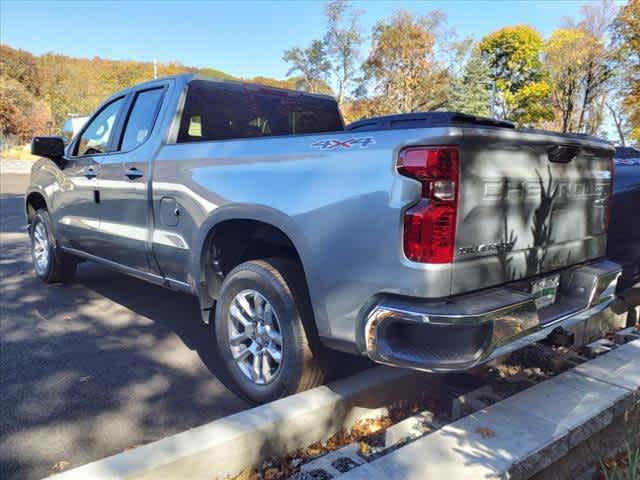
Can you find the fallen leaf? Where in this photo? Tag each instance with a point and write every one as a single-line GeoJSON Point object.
{"type": "Point", "coordinates": [271, 474]}
{"type": "Point", "coordinates": [364, 448]}
{"type": "Point", "coordinates": [243, 475]}
{"type": "Point", "coordinates": [485, 432]}
{"type": "Point", "coordinates": [61, 466]}
{"type": "Point", "coordinates": [314, 449]}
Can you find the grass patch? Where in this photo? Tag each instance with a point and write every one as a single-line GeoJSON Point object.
{"type": "Point", "coordinates": [624, 466]}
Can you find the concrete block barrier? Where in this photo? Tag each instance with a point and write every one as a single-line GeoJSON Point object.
{"type": "Point", "coordinates": [527, 433]}
{"type": "Point", "coordinates": [227, 446]}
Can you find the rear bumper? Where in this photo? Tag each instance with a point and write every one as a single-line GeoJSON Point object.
{"type": "Point", "coordinates": [471, 329]}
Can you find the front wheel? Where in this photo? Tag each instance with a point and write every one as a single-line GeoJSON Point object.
{"type": "Point", "coordinates": [50, 266]}
{"type": "Point", "coordinates": [260, 331]}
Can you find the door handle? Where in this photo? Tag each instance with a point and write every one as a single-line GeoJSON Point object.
{"type": "Point", "coordinates": [90, 173]}
{"type": "Point", "coordinates": [133, 173]}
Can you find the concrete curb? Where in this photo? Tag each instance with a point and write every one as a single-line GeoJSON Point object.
{"type": "Point", "coordinates": [515, 438]}
{"type": "Point", "coordinates": [227, 446]}
{"type": "Point", "coordinates": [525, 433]}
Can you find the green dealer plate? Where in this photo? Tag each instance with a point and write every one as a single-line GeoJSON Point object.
{"type": "Point", "coordinates": [545, 291]}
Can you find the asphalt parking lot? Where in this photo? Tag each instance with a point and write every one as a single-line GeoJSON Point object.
{"type": "Point", "coordinates": [107, 363]}
{"type": "Point", "coordinates": [91, 369]}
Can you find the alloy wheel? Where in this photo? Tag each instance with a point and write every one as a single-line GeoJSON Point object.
{"type": "Point", "coordinates": [255, 337]}
{"type": "Point", "coordinates": [40, 248]}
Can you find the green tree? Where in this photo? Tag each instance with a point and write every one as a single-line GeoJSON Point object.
{"type": "Point", "coordinates": [514, 56]}
{"type": "Point", "coordinates": [343, 40]}
{"type": "Point", "coordinates": [471, 92]}
{"type": "Point", "coordinates": [312, 64]}
{"type": "Point", "coordinates": [402, 64]}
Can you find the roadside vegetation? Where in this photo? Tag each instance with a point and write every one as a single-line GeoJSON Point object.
{"type": "Point", "coordinates": [18, 152]}
{"type": "Point", "coordinates": [584, 77]}
{"type": "Point", "coordinates": [623, 466]}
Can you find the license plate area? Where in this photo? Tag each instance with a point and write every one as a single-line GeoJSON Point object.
{"type": "Point", "coordinates": [545, 291]}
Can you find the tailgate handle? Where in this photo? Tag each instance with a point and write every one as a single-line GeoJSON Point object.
{"type": "Point", "coordinates": [562, 153]}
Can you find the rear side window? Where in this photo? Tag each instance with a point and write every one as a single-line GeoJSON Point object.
{"type": "Point", "coordinates": [141, 119]}
{"type": "Point", "coordinates": [219, 111]}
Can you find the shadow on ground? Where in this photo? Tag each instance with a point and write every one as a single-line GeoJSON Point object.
{"type": "Point", "coordinates": [92, 368]}
{"type": "Point", "coordinates": [98, 366]}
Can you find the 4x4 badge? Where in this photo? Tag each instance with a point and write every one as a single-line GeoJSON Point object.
{"type": "Point", "coordinates": [333, 144]}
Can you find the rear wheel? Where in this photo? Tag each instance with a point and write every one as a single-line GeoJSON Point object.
{"type": "Point", "coordinates": [50, 265]}
{"type": "Point", "coordinates": [260, 331]}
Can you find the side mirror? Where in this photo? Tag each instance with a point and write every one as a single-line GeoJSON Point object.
{"type": "Point", "coordinates": [49, 147]}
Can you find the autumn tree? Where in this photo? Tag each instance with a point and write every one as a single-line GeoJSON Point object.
{"type": "Point", "coordinates": [272, 82]}
{"type": "Point", "coordinates": [595, 20]}
{"type": "Point", "coordinates": [212, 72]}
{"type": "Point", "coordinates": [627, 28]}
{"type": "Point", "coordinates": [69, 86]}
{"type": "Point", "coordinates": [343, 40]}
{"type": "Point", "coordinates": [22, 114]}
{"type": "Point", "coordinates": [568, 52]}
{"type": "Point", "coordinates": [471, 92]}
{"type": "Point", "coordinates": [358, 108]}
{"type": "Point", "coordinates": [620, 120]}
{"type": "Point", "coordinates": [21, 66]}
{"type": "Point", "coordinates": [53, 86]}
{"type": "Point", "coordinates": [54, 90]}
{"type": "Point", "coordinates": [514, 56]}
{"type": "Point", "coordinates": [312, 64]}
{"type": "Point", "coordinates": [402, 64]}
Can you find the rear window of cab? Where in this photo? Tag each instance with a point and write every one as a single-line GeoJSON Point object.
{"type": "Point", "coordinates": [224, 111]}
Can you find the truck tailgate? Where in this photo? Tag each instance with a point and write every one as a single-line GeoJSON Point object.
{"type": "Point", "coordinates": [530, 203]}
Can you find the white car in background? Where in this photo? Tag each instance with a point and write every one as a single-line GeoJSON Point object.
{"type": "Point", "coordinates": [72, 126]}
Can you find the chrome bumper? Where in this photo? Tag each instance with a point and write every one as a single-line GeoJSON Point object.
{"type": "Point", "coordinates": [471, 329]}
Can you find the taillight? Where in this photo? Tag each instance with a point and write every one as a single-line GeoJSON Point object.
{"type": "Point", "coordinates": [430, 225]}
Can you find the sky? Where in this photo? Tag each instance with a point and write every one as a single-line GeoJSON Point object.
{"type": "Point", "coordinates": [242, 38]}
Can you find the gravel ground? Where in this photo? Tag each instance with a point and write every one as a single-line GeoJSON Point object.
{"type": "Point", "coordinates": [90, 369]}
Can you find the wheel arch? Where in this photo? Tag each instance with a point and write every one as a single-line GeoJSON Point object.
{"type": "Point", "coordinates": [246, 232]}
{"type": "Point", "coordinates": [34, 200]}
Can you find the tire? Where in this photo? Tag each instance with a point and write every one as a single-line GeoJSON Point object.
{"type": "Point", "coordinates": [276, 282]}
{"type": "Point", "coordinates": [50, 264]}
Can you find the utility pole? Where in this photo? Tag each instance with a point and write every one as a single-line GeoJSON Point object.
{"type": "Point", "coordinates": [155, 69]}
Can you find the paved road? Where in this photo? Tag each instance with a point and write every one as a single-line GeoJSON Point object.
{"type": "Point", "coordinates": [89, 369]}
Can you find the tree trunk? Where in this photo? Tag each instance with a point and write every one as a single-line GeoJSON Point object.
{"type": "Point", "coordinates": [587, 97]}
{"type": "Point", "coordinates": [617, 119]}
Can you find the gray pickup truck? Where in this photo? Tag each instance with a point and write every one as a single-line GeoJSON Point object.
{"type": "Point", "coordinates": [431, 241]}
